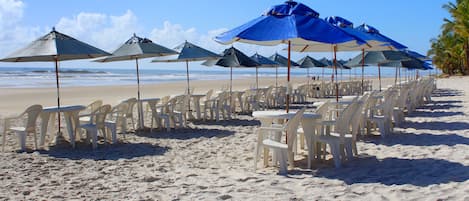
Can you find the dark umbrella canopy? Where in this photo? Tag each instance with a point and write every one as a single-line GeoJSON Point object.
{"type": "Point", "coordinates": [55, 47]}
{"type": "Point", "coordinates": [137, 48]}
{"type": "Point", "coordinates": [377, 57]}
{"type": "Point", "coordinates": [264, 62]}
{"type": "Point", "coordinates": [232, 57]}
{"type": "Point", "coordinates": [309, 62]}
{"type": "Point", "coordinates": [330, 64]}
{"type": "Point", "coordinates": [281, 60]}
{"type": "Point", "coordinates": [188, 52]}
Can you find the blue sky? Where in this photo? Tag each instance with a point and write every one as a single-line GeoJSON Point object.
{"type": "Point", "coordinates": [106, 24]}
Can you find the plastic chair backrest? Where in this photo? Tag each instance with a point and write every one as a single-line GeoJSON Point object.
{"type": "Point", "coordinates": [32, 113]}
{"type": "Point", "coordinates": [343, 121]}
{"type": "Point", "coordinates": [208, 95]}
{"type": "Point", "coordinates": [131, 104]}
{"type": "Point", "coordinates": [100, 115]}
{"type": "Point", "coordinates": [92, 107]}
{"type": "Point", "coordinates": [119, 111]}
{"type": "Point", "coordinates": [292, 126]}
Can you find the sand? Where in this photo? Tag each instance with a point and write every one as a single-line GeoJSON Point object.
{"type": "Point", "coordinates": [426, 159]}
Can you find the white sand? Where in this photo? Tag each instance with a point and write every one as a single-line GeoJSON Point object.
{"type": "Point", "coordinates": [428, 159]}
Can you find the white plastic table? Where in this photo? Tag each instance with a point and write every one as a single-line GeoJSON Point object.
{"type": "Point", "coordinates": [308, 122]}
{"type": "Point", "coordinates": [71, 119]}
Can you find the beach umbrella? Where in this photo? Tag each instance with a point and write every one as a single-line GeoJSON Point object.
{"type": "Point", "coordinates": [309, 62]}
{"type": "Point", "coordinates": [134, 49]}
{"type": "Point", "coordinates": [282, 61]}
{"type": "Point", "coordinates": [288, 23]}
{"type": "Point", "coordinates": [55, 47]}
{"type": "Point", "coordinates": [412, 63]}
{"type": "Point", "coordinates": [377, 58]}
{"type": "Point", "coordinates": [264, 62]}
{"type": "Point", "coordinates": [232, 57]}
{"type": "Point", "coordinates": [188, 52]}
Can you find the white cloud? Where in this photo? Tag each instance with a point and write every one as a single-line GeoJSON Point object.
{"type": "Point", "coordinates": [13, 34]}
{"type": "Point", "coordinates": [104, 31]}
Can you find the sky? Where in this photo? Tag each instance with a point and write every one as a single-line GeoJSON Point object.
{"type": "Point", "coordinates": [107, 24]}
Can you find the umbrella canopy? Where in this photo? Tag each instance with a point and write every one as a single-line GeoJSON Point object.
{"type": "Point", "coordinates": [134, 49]}
{"type": "Point", "coordinates": [188, 52]}
{"type": "Point", "coordinates": [330, 64]}
{"type": "Point", "coordinates": [375, 33]}
{"type": "Point", "coordinates": [232, 57]}
{"type": "Point", "coordinates": [309, 62]}
{"type": "Point", "coordinates": [378, 58]}
{"type": "Point", "coordinates": [291, 23]}
{"type": "Point", "coordinates": [55, 47]}
{"type": "Point", "coordinates": [137, 48]}
{"type": "Point", "coordinates": [372, 42]}
{"type": "Point", "coordinates": [264, 62]}
{"type": "Point", "coordinates": [281, 60]}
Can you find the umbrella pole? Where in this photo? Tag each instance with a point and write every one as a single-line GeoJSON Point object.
{"type": "Point", "coordinates": [257, 77]}
{"type": "Point", "coordinates": [335, 69]}
{"type": "Point", "coordinates": [139, 103]}
{"type": "Point", "coordinates": [276, 77]}
{"type": "Point", "coordinates": [363, 71]}
{"type": "Point", "coordinates": [58, 92]}
{"type": "Point", "coordinates": [323, 73]}
{"type": "Point", "coordinates": [288, 77]}
{"type": "Point", "coordinates": [188, 86]}
{"type": "Point", "coordinates": [379, 76]}
{"type": "Point", "coordinates": [307, 76]}
{"type": "Point", "coordinates": [231, 84]}
{"type": "Point", "coordinates": [395, 77]}
{"type": "Point", "coordinates": [400, 82]}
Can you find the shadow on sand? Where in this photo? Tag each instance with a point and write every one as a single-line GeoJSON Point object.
{"type": "Point", "coordinates": [396, 171]}
{"type": "Point", "coordinates": [105, 152]}
{"type": "Point", "coordinates": [447, 92]}
{"type": "Point", "coordinates": [425, 139]}
{"type": "Point", "coordinates": [186, 133]}
{"type": "Point", "coordinates": [232, 122]}
{"type": "Point", "coordinates": [437, 125]}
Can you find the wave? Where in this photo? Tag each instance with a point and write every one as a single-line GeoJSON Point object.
{"type": "Point", "coordinates": [70, 71]}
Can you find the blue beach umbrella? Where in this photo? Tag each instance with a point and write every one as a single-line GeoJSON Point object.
{"type": "Point", "coordinates": [290, 23]}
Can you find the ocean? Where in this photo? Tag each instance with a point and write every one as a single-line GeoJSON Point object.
{"type": "Point", "coordinates": [29, 77]}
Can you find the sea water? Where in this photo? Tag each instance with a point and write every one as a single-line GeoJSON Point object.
{"type": "Point", "coordinates": [30, 77]}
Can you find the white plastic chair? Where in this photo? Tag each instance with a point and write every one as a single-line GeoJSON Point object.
{"type": "Point", "coordinates": [130, 110]}
{"type": "Point", "coordinates": [283, 151]}
{"type": "Point", "coordinates": [115, 118]}
{"type": "Point", "coordinates": [85, 115]}
{"type": "Point", "coordinates": [338, 139]}
{"type": "Point", "coordinates": [96, 124]}
{"type": "Point", "coordinates": [29, 116]}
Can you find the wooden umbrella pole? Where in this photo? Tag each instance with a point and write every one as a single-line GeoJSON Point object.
{"type": "Point", "coordinates": [188, 86]}
{"type": "Point", "coordinates": [276, 77]}
{"type": "Point", "coordinates": [379, 76]}
{"type": "Point", "coordinates": [288, 77]}
{"type": "Point", "coordinates": [139, 103]}
{"type": "Point", "coordinates": [336, 82]}
{"type": "Point", "coordinates": [363, 71]}
{"type": "Point", "coordinates": [231, 84]}
{"type": "Point", "coordinates": [257, 77]}
{"type": "Point", "coordinates": [58, 92]}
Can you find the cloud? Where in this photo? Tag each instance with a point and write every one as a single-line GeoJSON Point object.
{"type": "Point", "coordinates": [104, 31]}
{"type": "Point", "coordinates": [13, 35]}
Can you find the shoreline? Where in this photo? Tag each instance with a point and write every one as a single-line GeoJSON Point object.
{"type": "Point", "coordinates": [15, 100]}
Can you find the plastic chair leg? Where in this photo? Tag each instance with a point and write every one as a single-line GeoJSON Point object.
{"type": "Point", "coordinates": [21, 140]}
